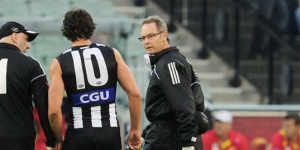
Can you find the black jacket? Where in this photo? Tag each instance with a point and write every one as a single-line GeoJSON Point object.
{"type": "Point", "coordinates": [169, 95]}
{"type": "Point", "coordinates": [22, 81]}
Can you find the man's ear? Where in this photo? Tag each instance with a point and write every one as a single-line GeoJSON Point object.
{"type": "Point", "coordinates": [165, 35]}
{"type": "Point", "coordinates": [13, 37]}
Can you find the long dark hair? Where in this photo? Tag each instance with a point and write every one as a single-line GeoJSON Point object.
{"type": "Point", "coordinates": [78, 24]}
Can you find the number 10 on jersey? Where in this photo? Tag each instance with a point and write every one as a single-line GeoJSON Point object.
{"type": "Point", "coordinates": [3, 72]}
{"type": "Point", "coordinates": [90, 73]}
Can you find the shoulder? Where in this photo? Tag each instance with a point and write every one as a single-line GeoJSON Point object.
{"type": "Point", "coordinates": [100, 45]}
{"type": "Point", "coordinates": [173, 62]}
{"type": "Point", "coordinates": [209, 134]}
{"type": "Point", "coordinates": [209, 137]}
{"type": "Point", "coordinates": [103, 47]}
{"type": "Point", "coordinates": [173, 56]}
{"type": "Point", "coordinates": [66, 51]}
{"type": "Point", "coordinates": [236, 134]}
{"type": "Point", "coordinates": [237, 137]}
{"type": "Point", "coordinates": [172, 59]}
{"type": "Point", "coordinates": [278, 136]}
{"type": "Point", "coordinates": [32, 61]}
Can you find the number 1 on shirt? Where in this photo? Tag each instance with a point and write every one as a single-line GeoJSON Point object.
{"type": "Point", "coordinates": [3, 71]}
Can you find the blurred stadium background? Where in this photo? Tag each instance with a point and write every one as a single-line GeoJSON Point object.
{"type": "Point", "coordinates": [214, 34]}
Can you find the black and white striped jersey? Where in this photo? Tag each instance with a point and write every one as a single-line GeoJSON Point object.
{"type": "Point", "coordinates": [22, 80]}
{"type": "Point", "coordinates": [90, 77]}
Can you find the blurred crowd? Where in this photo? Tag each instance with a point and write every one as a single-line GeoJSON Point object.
{"type": "Point", "coordinates": [223, 137]}
{"type": "Point", "coordinates": [283, 16]}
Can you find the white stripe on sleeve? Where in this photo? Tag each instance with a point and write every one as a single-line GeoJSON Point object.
{"type": "Point", "coordinates": [171, 73]}
{"type": "Point", "coordinates": [176, 73]}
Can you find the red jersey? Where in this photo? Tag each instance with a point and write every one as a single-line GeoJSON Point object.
{"type": "Point", "coordinates": [236, 141]}
{"type": "Point", "coordinates": [279, 142]}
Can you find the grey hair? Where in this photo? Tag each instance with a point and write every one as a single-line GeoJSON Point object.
{"type": "Point", "coordinates": [160, 23]}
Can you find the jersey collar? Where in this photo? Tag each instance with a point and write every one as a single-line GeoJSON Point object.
{"type": "Point", "coordinates": [9, 47]}
{"type": "Point", "coordinates": [155, 57]}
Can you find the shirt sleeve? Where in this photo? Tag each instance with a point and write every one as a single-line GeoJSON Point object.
{"type": "Point", "coordinates": [39, 88]}
{"type": "Point", "coordinates": [175, 79]}
{"type": "Point", "coordinates": [197, 92]}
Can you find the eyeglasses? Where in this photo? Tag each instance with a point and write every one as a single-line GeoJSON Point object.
{"type": "Point", "coordinates": [149, 36]}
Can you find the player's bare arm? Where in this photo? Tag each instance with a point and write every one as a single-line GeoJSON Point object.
{"type": "Point", "coordinates": [128, 83]}
{"type": "Point", "coordinates": [56, 93]}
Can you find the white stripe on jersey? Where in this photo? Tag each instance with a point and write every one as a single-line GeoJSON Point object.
{"type": "Point", "coordinates": [78, 70]}
{"type": "Point", "coordinates": [3, 75]}
{"type": "Point", "coordinates": [113, 115]}
{"type": "Point", "coordinates": [38, 63]}
{"type": "Point", "coordinates": [77, 117]}
{"type": "Point", "coordinates": [84, 47]}
{"type": "Point", "coordinates": [173, 73]}
{"type": "Point", "coordinates": [96, 116]}
{"type": "Point", "coordinates": [37, 77]}
{"type": "Point", "coordinates": [99, 44]}
{"type": "Point", "coordinates": [68, 50]}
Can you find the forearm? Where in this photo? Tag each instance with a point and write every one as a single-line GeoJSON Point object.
{"type": "Point", "coordinates": [184, 117]}
{"type": "Point", "coordinates": [181, 101]}
{"type": "Point", "coordinates": [40, 93]}
{"type": "Point", "coordinates": [46, 126]}
{"type": "Point", "coordinates": [135, 108]}
{"type": "Point", "coordinates": [56, 124]}
{"type": "Point", "coordinates": [55, 113]}
{"type": "Point", "coordinates": [198, 97]}
{"type": "Point", "coordinates": [56, 93]}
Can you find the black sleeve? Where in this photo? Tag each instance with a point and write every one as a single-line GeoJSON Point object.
{"type": "Point", "coordinates": [197, 92]}
{"type": "Point", "coordinates": [200, 117]}
{"type": "Point", "coordinates": [175, 79]}
{"type": "Point", "coordinates": [40, 96]}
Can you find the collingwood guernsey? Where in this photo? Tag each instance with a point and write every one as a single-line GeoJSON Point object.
{"type": "Point", "coordinates": [89, 75]}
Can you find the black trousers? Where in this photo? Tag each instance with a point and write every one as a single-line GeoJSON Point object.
{"type": "Point", "coordinates": [162, 137]}
{"type": "Point", "coordinates": [18, 144]}
{"type": "Point", "coordinates": [93, 139]}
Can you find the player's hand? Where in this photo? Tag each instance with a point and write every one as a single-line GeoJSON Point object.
{"type": "Point", "coordinates": [58, 146]}
{"type": "Point", "coordinates": [49, 148]}
{"type": "Point", "coordinates": [134, 139]}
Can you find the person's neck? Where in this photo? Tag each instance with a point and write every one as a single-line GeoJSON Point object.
{"type": "Point", "coordinates": [166, 46]}
{"type": "Point", "coordinates": [81, 42]}
{"type": "Point", "coordinates": [7, 41]}
{"type": "Point", "coordinates": [163, 48]}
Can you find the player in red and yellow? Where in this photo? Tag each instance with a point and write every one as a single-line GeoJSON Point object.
{"type": "Point", "coordinates": [222, 137]}
{"type": "Point", "coordinates": [288, 138]}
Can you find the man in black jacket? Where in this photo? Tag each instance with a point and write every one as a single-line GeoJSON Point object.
{"type": "Point", "coordinates": [22, 80]}
{"type": "Point", "coordinates": [170, 101]}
